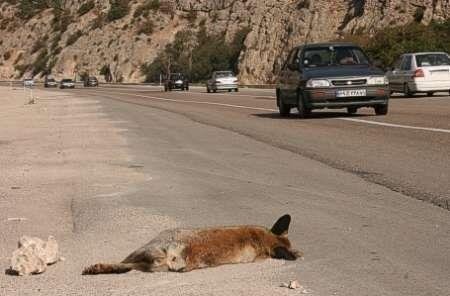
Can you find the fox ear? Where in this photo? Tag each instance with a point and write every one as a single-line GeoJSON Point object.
{"type": "Point", "coordinates": [281, 227]}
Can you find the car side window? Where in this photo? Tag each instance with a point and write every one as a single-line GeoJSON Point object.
{"type": "Point", "coordinates": [398, 63]}
{"type": "Point", "coordinates": [406, 64]}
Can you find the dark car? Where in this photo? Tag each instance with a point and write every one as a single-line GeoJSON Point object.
{"type": "Point", "coordinates": [331, 75]}
{"type": "Point", "coordinates": [90, 81]}
{"type": "Point", "coordinates": [50, 82]}
{"type": "Point", "coordinates": [67, 83]}
{"type": "Point", "coordinates": [176, 81]}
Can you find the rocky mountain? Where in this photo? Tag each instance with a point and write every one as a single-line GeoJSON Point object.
{"type": "Point", "coordinates": [73, 37]}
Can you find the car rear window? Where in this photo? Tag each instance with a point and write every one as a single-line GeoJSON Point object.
{"type": "Point", "coordinates": [224, 74]}
{"type": "Point", "coordinates": [432, 59]}
{"type": "Point", "coordinates": [327, 56]}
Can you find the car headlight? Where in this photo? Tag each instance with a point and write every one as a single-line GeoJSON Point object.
{"type": "Point", "coordinates": [378, 80]}
{"type": "Point", "coordinates": [314, 83]}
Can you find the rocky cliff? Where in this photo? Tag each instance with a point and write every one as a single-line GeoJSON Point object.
{"type": "Point", "coordinates": [70, 39]}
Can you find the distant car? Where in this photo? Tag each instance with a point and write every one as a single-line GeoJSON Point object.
{"type": "Point", "coordinates": [67, 83]}
{"type": "Point", "coordinates": [90, 81]}
{"type": "Point", "coordinates": [176, 81]}
{"type": "Point", "coordinates": [222, 80]}
{"type": "Point", "coordinates": [50, 82]}
{"type": "Point", "coordinates": [330, 75]}
{"type": "Point", "coordinates": [421, 72]}
{"type": "Point", "coordinates": [28, 82]}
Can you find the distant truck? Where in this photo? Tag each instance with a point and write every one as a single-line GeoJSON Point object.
{"type": "Point", "coordinates": [176, 81]}
{"type": "Point", "coordinates": [90, 81]}
{"type": "Point", "coordinates": [50, 82]}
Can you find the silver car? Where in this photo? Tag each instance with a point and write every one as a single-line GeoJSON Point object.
{"type": "Point", "coordinates": [222, 80]}
{"type": "Point", "coordinates": [421, 72]}
{"type": "Point", "coordinates": [28, 82]}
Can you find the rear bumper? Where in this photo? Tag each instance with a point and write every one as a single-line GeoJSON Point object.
{"type": "Point", "coordinates": [326, 98]}
{"type": "Point", "coordinates": [224, 86]}
{"type": "Point", "coordinates": [427, 86]}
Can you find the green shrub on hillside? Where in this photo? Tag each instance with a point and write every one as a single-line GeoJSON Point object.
{"type": "Point", "coordinates": [146, 7]}
{"type": "Point", "coordinates": [197, 54]}
{"type": "Point", "coordinates": [118, 9]}
{"type": "Point", "coordinates": [86, 7]}
{"type": "Point", "coordinates": [388, 44]}
{"type": "Point", "coordinates": [40, 64]}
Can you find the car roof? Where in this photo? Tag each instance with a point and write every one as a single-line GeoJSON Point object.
{"type": "Point", "coordinates": [328, 44]}
{"type": "Point", "coordinates": [428, 52]}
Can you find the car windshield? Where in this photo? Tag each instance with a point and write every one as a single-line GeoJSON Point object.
{"type": "Point", "coordinates": [50, 80]}
{"type": "Point", "coordinates": [331, 56]}
{"type": "Point", "coordinates": [224, 74]}
{"type": "Point", "coordinates": [176, 76]}
{"type": "Point", "coordinates": [432, 59]}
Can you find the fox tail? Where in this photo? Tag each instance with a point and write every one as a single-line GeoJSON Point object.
{"type": "Point", "coordinates": [105, 268]}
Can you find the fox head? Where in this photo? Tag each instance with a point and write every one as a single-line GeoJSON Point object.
{"type": "Point", "coordinates": [282, 248]}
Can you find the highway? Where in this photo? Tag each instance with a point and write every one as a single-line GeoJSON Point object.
{"type": "Point", "coordinates": [406, 151]}
{"type": "Point", "coordinates": [369, 195]}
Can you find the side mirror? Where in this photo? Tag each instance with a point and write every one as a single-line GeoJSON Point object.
{"type": "Point", "coordinates": [295, 66]}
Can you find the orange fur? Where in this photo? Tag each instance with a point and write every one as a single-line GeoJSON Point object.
{"type": "Point", "coordinates": [188, 249]}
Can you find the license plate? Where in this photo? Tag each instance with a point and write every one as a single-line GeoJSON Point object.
{"type": "Point", "coordinates": [351, 93]}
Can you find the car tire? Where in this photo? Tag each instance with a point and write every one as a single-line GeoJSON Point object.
{"type": "Point", "coordinates": [303, 111]}
{"type": "Point", "coordinates": [230, 90]}
{"type": "Point", "coordinates": [381, 109]}
{"type": "Point", "coordinates": [214, 90]}
{"type": "Point", "coordinates": [408, 93]}
{"type": "Point", "coordinates": [430, 94]}
{"type": "Point", "coordinates": [208, 90]}
{"type": "Point", "coordinates": [352, 110]}
{"type": "Point", "coordinates": [236, 89]}
{"type": "Point", "coordinates": [283, 109]}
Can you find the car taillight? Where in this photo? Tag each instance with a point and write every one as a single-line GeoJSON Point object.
{"type": "Point", "coordinates": [418, 73]}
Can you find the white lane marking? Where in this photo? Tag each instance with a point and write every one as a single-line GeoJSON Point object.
{"type": "Point", "coordinates": [241, 95]}
{"type": "Point", "coordinates": [275, 110]}
{"type": "Point", "coordinates": [199, 102]}
{"type": "Point", "coordinates": [440, 130]}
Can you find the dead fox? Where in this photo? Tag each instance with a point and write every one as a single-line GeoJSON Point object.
{"type": "Point", "coordinates": [184, 250]}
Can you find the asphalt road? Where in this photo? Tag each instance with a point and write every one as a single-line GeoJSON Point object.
{"type": "Point", "coordinates": [406, 151]}
{"type": "Point", "coordinates": [353, 184]}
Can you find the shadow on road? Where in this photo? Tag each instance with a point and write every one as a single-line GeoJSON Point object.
{"type": "Point", "coordinates": [313, 115]}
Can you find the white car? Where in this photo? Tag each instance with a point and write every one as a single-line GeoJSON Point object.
{"type": "Point", "coordinates": [28, 82]}
{"type": "Point", "coordinates": [222, 80]}
{"type": "Point", "coordinates": [421, 72]}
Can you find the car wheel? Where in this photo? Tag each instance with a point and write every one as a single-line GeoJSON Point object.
{"type": "Point", "coordinates": [284, 109]}
{"type": "Point", "coordinates": [214, 90]}
{"type": "Point", "coordinates": [208, 90]}
{"type": "Point", "coordinates": [430, 94]}
{"type": "Point", "coordinates": [408, 93]}
{"type": "Point", "coordinates": [229, 90]}
{"type": "Point", "coordinates": [381, 109]}
{"type": "Point", "coordinates": [236, 89]}
{"type": "Point", "coordinates": [352, 110]}
{"type": "Point", "coordinates": [303, 111]}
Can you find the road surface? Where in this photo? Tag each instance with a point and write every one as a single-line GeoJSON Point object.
{"type": "Point", "coordinates": [368, 195]}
